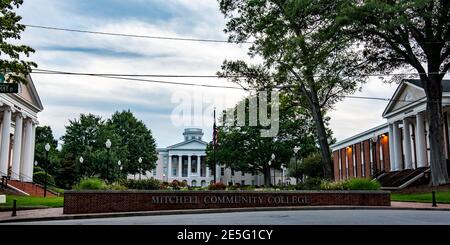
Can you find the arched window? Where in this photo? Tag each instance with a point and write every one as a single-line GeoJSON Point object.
{"type": "Point", "coordinates": [194, 183]}
{"type": "Point", "coordinates": [203, 183]}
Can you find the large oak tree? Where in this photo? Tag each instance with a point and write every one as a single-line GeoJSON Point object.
{"type": "Point", "coordinates": [302, 50]}
{"type": "Point", "coordinates": [408, 34]}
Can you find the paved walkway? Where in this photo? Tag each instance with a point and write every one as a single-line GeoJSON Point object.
{"type": "Point", "coordinates": [57, 213]}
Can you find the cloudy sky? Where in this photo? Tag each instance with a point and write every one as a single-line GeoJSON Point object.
{"type": "Point", "coordinates": [65, 97]}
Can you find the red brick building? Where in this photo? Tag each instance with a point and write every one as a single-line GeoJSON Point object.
{"type": "Point", "coordinates": [396, 152]}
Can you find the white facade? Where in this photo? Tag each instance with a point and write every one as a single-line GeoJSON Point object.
{"type": "Point", "coordinates": [18, 121]}
{"type": "Point", "coordinates": [185, 162]}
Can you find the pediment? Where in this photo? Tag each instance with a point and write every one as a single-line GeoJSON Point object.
{"type": "Point", "coordinates": [191, 144]}
{"type": "Point", "coordinates": [406, 94]}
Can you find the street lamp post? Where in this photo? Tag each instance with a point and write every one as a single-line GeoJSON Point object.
{"type": "Point", "coordinates": [108, 147]}
{"type": "Point", "coordinates": [296, 149]}
{"type": "Point", "coordinates": [81, 165]}
{"type": "Point", "coordinates": [119, 163]}
{"type": "Point", "coordinates": [140, 167]}
{"type": "Point", "coordinates": [47, 149]}
{"type": "Point", "coordinates": [272, 159]}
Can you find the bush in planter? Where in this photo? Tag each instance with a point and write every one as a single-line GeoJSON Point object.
{"type": "Point", "coordinates": [91, 184]}
{"type": "Point", "coordinates": [217, 186]}
{"type": "Point", "coordinates": [117, 187]}
{"type": "Point", "coordinates": [143, 184]}
{"type": "Point", "coordinates": [332, 185]}
{"type": "Point", "coordinates": [351, 184]}
{"type": "Point", "coordinates": [177, 185]}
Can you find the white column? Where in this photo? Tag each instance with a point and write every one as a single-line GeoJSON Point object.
{"type": "Point", "coordinates": [189, 166]}
{"type": "Point", "coordinates": [407, 144]}
{"type": "Point", "coordinates": [169, 167]}
{"type": "Point", "coordinates": [33, 146]}
{"type": "Point", "coordinates": [4, 148]}
{"type": "Point", "coordinates": [391, 147]}
{"type": "Point", "coordinates": [397, 148]}
{"type": "Point", "coordinates": [180, 166]}
{"type": "Point", "coordinates": [207, 172]}
{"type": "Point", "coordinates": [199, 160]}
{"type": "Point", "coordinates": [17, 148]}
{"type": "Point", "coordinates": [27, 161]}
{"type": "Point", "coordinates": [421, 144]}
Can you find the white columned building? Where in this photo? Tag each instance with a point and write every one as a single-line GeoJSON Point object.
{"type": "Point", "coordinates": [186, 162]}
{"type": "Point", "coordinates": [402, 143]}
{"type": "Point", "coordinates": [18, 121]}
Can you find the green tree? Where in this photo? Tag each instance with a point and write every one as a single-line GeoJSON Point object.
{"type": "Point", "coordinates": [12, 66]}
{"type": "Point", "coordinates": [242, 148]}
{"type": "Point", "coordinates": [408, 34]}
{"type": "Point", "coordinates": [86, 138]}
{"type": "Point", "coordinates": [303, 54]}
{"type": "Point", "coordinates": [137, 141]}
{"type": "Point", "coordinates": [44, 135]}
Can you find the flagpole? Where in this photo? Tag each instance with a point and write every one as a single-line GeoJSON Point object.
{"type": "Point", "coordinates": [214, 146]}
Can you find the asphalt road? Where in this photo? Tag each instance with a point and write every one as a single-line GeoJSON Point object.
{"type": "Point", "coordinates": [302, 217]}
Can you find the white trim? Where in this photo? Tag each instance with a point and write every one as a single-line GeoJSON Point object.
{"type": "Point", "coordinates": [361, 136]}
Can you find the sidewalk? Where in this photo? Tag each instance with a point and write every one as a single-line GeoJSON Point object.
{"type": "Point", "coordinates": [57, 213]}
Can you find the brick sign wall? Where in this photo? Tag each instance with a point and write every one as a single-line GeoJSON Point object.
{"type": "Point", "coordinates": [77, 202]}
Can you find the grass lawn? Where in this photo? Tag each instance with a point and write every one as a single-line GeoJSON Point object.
{"type": "Point", "coordinates": [27, 201]}
{"type": "Point", "coordinates": [441, 197]}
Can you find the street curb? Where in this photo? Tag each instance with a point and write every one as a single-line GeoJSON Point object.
{"type": "Point", "coordinates": [207, 211]}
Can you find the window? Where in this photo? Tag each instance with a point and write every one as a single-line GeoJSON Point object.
{"type": "Point", "coordinates": [203, 183]}
{"type": "Point", "coordinates": [165, 170]}
{"type": "Point", "coordinates": [154, 172]}
{"type": "Point", "coordinates": [243, 173]}
{"type": "Point", "coordinates": [232, 172]}
{"type": "Point", "coordinates": [194, 183]}
{"type": "Point", "coordinates": [222, 171]}
{"type": "Point", "coordinates": [242, 182]}
{"type": "Point", "coordinates": [253, 182]}
{"type": "Point", "coordinates": [174, 172]}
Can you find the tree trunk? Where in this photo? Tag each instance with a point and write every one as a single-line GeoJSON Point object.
{"type": "Point", "coordinates": [323, 139]}
{"type": "Point", "coordinates": [438, 161]}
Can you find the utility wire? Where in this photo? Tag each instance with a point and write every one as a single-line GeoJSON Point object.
{"type": "Point", "coordinates": [216, 86]}
{"type": "Point", "coordinates": [157, 37]}
{"type": "Point", "coordinates": [56, 72]}
{"type": "Point", "coordinates": [131, 35]}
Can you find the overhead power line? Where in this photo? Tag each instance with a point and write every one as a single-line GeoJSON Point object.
{"type": "Point", "coordinates": [131, 35]}
{"type": "Point", "coordinates": [56, 72]}
{"type": "Point", "coordinates": [111, 76]}
{"type": "Point", "coordinates": [157, 37]}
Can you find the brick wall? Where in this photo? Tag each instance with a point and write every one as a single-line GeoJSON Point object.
{"type": "Point", "coordinates": [77, 202]}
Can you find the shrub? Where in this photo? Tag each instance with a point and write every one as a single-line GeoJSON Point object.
{"type": "Point", "coordinates": [332, 185]}
{"type": "Point", "coordinates": [91, 184]}
{"type": "Point", "coordinates": [143, 184]}
{"type": "Point", "coordinates": [217, 186]}
{"type": "Point", "coordinates": [177, 185]}
{"type": "Point", "coordinates": [361, 184]}
{"type": "Point", "coordinates": [117, 187]}
{"type": "Point", "coordinates": [351, 184]}
{"type": "Point", "coordinates": [248, 187]}
{"type": "Point", "coordinates": [312, 166]}
{"type": "Point", "coordinates": [311, 184]}
{"type": "Point", "coordinates": [39, 177]}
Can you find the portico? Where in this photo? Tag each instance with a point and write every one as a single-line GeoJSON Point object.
{"type": "Point", "coordinates": [18, 121]}
{"type": "Point", "coordinates": [401, 144]}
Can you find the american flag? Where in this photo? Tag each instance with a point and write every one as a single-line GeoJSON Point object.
{"type": "Point", "coordinates": [214, 130]}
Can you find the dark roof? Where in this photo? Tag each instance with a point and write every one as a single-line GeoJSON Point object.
{"type": "Point", "coordinates": [417, 82]}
